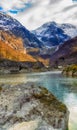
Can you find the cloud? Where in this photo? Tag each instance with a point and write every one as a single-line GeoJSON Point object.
{"type": "Point", "coordinates": [61, 11]}
{"type": "Point", "coordinates": [41, 11]}
{"type": "Point", "coordinates": [14, 6]}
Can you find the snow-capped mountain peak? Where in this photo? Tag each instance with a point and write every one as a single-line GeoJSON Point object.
{"type": "Point", "coordinates": [52, 34]}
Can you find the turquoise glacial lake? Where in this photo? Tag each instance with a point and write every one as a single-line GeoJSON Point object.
{"type": "Point", "coordinates": [64, 88]}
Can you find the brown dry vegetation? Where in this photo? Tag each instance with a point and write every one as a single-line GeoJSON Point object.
{"type": "Point", "coordinates": [12, 48]}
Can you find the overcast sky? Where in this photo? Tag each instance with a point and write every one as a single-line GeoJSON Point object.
{"type": "Point", "coordinates": [33, 13]}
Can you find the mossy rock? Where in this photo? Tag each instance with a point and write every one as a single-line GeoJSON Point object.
{"type": "Point", "coordinates": [49, 100]}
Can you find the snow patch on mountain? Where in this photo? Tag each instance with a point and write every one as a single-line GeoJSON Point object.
{"type": "Point", "coordinates": [69, 29]}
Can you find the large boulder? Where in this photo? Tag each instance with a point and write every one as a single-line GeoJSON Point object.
{"type": "Point", "coordinates": [20, 105]}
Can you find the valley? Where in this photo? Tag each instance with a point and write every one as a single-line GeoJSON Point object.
{"type": "Point", "coordinates": [31, 63]}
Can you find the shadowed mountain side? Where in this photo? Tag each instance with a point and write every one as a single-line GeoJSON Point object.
{"type": "Point", "coordinates": [66, 54]}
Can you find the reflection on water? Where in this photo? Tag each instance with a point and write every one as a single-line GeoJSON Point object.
{"type": "Point", "coordinates": [65, 89]}
{"type": "Point", "coordinates": [17, 78]}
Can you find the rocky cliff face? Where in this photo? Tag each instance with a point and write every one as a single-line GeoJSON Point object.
{"type": "Point", "coordinates": [35, 105]}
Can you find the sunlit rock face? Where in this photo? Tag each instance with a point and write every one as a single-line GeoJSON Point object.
{"type": "Point", "coordinates": [12, 48]}
{"type": "Point", "coordinates": [28, 106]}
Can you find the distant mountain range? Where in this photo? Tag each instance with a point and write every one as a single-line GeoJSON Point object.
{"type": "Point", "coordinates": [49, 41]}
{"type": "Point", "coordinates": [48, 35]}
{"type": "Point", "coordinates": [53, 34]}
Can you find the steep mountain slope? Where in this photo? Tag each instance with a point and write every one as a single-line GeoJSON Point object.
{"type": "Point", "coordinates": [16, 42]}
{"type": "Point", "coordinates": [14, 56]}
{"type": "Point", "coordinates": [9, 24]}
{"type": "Point", "coordinates": [66, 54]}
{"type": "Point", "coordinates": [53, 34]}
{"type": "Point", "coordinates": [12, 48]}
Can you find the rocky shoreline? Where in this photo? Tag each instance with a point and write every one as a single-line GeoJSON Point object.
{"type": "Point", "coordinates": [8, 66]}
{"type": "Point", "coordinates": [31, 107]}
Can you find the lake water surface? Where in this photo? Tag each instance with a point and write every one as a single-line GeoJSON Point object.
{"type": "Point", "coordinates": [64, 88]}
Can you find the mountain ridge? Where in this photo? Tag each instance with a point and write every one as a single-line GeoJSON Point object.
{"type": "Point", "coordinates": [7, 23]}
{"type": "Point", "coordinates": [13, 45]}
{"type": "Point", "coordinates": [53, 34]}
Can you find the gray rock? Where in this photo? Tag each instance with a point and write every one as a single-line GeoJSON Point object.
{"type": "Point", "coordinates": [26, 102]}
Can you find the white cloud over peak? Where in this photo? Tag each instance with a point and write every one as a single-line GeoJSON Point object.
{"type": "Point", "coordinates": [41, 11]}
